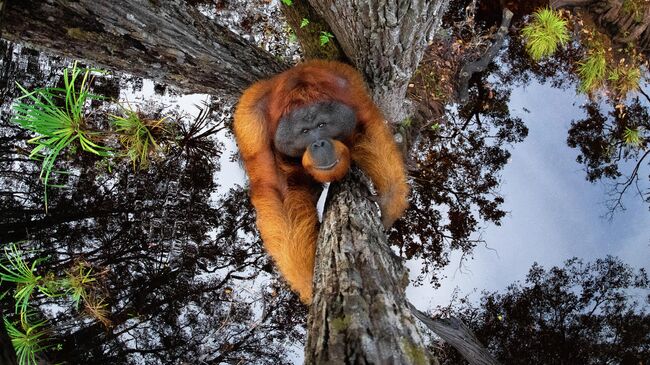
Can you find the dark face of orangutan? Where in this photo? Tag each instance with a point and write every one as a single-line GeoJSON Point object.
{"type": "Point", "coordinates": [316, 132]}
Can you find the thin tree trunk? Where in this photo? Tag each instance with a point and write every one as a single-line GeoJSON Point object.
{"type": "Point", "coordinates": [167, 40]}
{"type": "Point", "coordinates": [359, 314]}
{"type": "Point", "coordinates": [482, 63]}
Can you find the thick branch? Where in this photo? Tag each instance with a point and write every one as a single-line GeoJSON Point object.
{"type": "Point", "coordinates": [482, 63]}
{"type": "Point", "coordinates": [164, 40]}
{"type": "Point", "coordinates": [453, 331]}
{"type": "Point", "coordinates": [385, 41]}
{"type": "Point", "coordinates": [359, 314]}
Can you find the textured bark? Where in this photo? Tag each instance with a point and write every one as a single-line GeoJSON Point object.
{"type": "Point", "coordinates": [359, 314]}
{"type": "Point", "coordinates": [309, 36]}
{"type": "Point", "coordinates": [164, 40]}
{"type": "Point", "coordinates": [453, 331]}
{"type": "Point", "coordinates": [385, 40]}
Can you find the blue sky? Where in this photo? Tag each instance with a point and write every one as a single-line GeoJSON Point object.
{"type": "Point", "coordinates": [555, 213]}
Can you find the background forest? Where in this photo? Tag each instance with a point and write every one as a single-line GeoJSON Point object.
{"type": "Point", "coordinates": [128, 236]}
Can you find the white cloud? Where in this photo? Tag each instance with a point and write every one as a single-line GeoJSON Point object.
{"type": "Point", "coordinates": [555, 213]}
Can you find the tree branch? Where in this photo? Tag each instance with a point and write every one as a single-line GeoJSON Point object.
{"type": "Point", "coordinates": [481, 64]}
{"type": "Point", "coordinates": [453, 331]}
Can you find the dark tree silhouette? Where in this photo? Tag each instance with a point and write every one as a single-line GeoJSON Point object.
{"type": "Point", "coordinates": [607, 148]}
{"type": "Point", "coordinates": [582, 313]}
{"type": "Point", "coordinates": [172, 261]}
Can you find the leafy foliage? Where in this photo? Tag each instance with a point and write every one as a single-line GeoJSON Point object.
{"type": "Point", "coordinates": [188, 277]}
{"type": "Point", "coordinates": [28, 340]}
{"type": "Point", "coordinates": [56, 115]}
{"type": "Point", "coordinates": [325, 37]}
{"type": "Point", "coordinates": [576, 314]}
{"type": "Point", "coordinates": [608, 142]}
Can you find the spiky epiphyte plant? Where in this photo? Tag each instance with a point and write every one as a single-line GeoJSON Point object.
{"type": "Point", "coordinates": [137, 135]}
{"type": "Point", "coordinates": [97, 307]}
{"type": "Point", "coordinates": [14, 269]}
{"type": "Point", "coordinates": [78, 281]}
{"type": "Point", "coordinates": [632, 137]}
{"type": "Point", "coordinates": [544, 33]}
{"type": "Point", "coordinates": [56, 115]}
{"type": "Point", "coordinates": [592, 70]}
{"type": "Point", "coordinates": [28, 340]}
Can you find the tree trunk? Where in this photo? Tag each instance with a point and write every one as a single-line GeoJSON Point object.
{"type": "Point", "coordinates": [385, 40]}
{"type": "Point", "coordinates": [359, 314]}
{"type": "Point", "coordinates": [167, 41]}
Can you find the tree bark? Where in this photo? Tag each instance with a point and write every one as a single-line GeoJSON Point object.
{"type": "Point", "coordinates": [165, 40]}
{"type": "Point", "coordinates": [309, 35]}
{"type": "Point", "coordinates": [359, 314]}
{"type": "Point", "coordinates": [385, 40]}
{"type": "Point", "coordinates": [453, 331]}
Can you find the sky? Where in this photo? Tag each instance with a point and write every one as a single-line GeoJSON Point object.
{"type": "Point", "coordinates": [554, 213]}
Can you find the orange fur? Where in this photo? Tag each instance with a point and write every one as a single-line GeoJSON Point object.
{"type": "Point", "coordinates": [284, 194]}
{"type": "Point", "coordinates": [335, 173]}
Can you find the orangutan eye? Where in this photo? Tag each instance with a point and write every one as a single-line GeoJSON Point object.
{"type": "Point", "coordinates": [321, 125]}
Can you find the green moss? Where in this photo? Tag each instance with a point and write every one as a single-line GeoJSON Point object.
{"type": "Point", "coordinates": [78, 33]}
{"type": "Point", "coordinates": [416, 354]}
{"type": "Point", "coordinates": [340, 324]}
